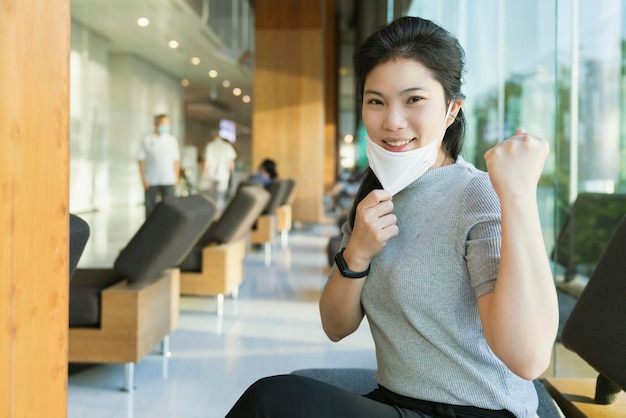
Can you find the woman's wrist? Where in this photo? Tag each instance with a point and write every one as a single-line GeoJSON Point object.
{"type": "Point", "coordinates": [354, 262]}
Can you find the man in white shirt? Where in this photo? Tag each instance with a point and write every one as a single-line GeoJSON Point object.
{"type": "Point", "coordinates": [219, 164]}
{"type": "Point", "coordinates": [159, 162]}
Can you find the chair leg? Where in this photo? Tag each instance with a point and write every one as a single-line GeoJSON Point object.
{"type": "Point", "coordinates": [129, 378]}
{"type": "Point", "coordinates": [268, 253]}
{"type": "Point", "coordinates": [283, 238]}
{"type": "Point", "coordinates": [220, 304]}
{"type": "Point", "coordinates": [166, 354]}
{"type": "Point", "coordinates": [235, 292]}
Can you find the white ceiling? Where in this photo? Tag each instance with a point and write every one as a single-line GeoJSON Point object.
{"type": "Point", "coordinates": [116, 20]}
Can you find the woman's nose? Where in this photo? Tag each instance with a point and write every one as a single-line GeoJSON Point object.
{"type": "Point", "coordinates": [394, 119]}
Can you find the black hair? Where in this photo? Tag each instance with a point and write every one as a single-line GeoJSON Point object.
{"type": "Point", "coordinates": [429, 44]}
{"type": "Point", "coordinates": [270, 167]}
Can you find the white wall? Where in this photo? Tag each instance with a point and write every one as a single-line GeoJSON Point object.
{"type": "Point", "coordinates": [89, 118]}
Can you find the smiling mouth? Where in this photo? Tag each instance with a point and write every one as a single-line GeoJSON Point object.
{"type": "Point", "coordinates": [397, 144]}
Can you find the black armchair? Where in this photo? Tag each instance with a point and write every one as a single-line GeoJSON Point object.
{"type": "Point", "coordinates": [596, 331]}
{"type": "Point", "coordinates": [119, 314]}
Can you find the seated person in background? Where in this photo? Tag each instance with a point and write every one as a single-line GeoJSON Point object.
{"type": "Point", "coordinates": [265, 173]}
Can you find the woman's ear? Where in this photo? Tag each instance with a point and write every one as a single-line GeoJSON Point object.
{"type": "Point", "coordinates": [454, 111]}
{"type": "Point", "coordinates": [456, 106]}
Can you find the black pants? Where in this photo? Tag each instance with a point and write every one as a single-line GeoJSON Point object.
{"type": "Point", "coordinates": [153, 192]}
{"type": "Point", "coordinates": [293, 396]}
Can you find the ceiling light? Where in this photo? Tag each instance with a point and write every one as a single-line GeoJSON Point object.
{"type": "Point", "coordinates": [246, 98]}
{"type": "Point", "coordinates": [173, 44]}
{"type": "Point", "coordinates": [143, 22]}
{"type": "Point", "coordinates": [348, 138]}
{"type": "Point", "coordinates": [226, 83]}
{"type": "Point", "coordinates": [237, 91]}
{"type": "Point", "coordinates": [195, 61]}
{"type": "Point", "coordinates": [184, 82]}
{"type": "Point", "coordinates": [212, 73]}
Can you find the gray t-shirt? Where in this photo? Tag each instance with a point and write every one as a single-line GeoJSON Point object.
{"type": "Point", "coordinates": [420, 296]}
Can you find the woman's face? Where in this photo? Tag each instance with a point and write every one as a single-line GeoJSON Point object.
{"type": "Point", "coordinates": [404, 106]}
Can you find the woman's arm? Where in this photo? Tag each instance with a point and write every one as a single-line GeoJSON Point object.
{"type": "Point", "coordinates": [520, 318]}
{"type": "Point", "coordinates": [340, 303]}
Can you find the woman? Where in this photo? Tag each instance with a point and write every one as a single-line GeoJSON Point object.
{"type": "Point", "coordinates": [446, 262]}
{"type": "Point", "coordinates": [265, 173]}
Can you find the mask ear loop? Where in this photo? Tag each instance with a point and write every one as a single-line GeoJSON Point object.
{"type": "Point", "coordinates": [448, 114]}
{"type": "Point", "coordinates": [445, 120]}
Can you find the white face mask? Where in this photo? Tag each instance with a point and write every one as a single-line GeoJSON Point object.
{"type": "Point", "coordinates": [396, 170]}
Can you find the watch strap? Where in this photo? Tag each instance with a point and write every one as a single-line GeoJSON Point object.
{"type": "Point", "coordinates": [345, 271]}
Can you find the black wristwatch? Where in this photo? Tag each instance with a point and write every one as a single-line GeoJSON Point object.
{"type": "Point", "coordinates": [345, 271]}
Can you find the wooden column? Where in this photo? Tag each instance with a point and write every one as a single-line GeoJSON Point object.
{"type": "Point", "coordinates": [331, 95]}
{"type": "Point", "coordinates": [288, 118]}
{"type": "Point", "coordinates": [34, 166]}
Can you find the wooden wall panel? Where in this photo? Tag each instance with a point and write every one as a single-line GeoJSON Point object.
{"type": "Point", "coordinates": [288, 14]}
{"type": "Point", "coordinates": [288, 116]}
{"type": "Point", "coordinates": [34, 169]}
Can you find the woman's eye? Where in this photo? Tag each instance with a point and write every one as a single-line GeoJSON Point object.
{"type": "Point", "coordinates": [414, 99]}
{"type": "Point", "coordinates": [374, 101]}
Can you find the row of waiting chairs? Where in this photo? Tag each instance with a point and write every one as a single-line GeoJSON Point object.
{"type": "Point", "coordinates": [120, 314]}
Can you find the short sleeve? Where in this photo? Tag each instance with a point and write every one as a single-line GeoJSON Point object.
{"type": "Point", "coordinates": [482, 221]}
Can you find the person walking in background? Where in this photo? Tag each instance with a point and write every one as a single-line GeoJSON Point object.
{"type": "Point", "coordinates": [219, 165]}
{"type": "Point", "coordinates": [265, 173]}
{"type": "Point", "coordinates": [159, 162]}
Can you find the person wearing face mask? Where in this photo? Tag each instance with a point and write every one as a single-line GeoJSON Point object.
{"type": "Point", "coordinates": [445, 261]}
{"type": "Point", "coordinates": [159, 162]}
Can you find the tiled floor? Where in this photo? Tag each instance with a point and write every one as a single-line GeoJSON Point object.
{"type": "Point", "coordinates": [273, 327]}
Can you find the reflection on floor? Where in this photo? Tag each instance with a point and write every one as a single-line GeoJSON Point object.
{"type": "Point", "coordinates": [272, 328]}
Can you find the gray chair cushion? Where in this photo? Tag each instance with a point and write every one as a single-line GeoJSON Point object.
{"type": "Point", "coordinates": [596, 328]}
{"type": "Point", "coordinates": [238, 217]}
{"type": "Point", "coordinates": [290, 192]}
{"type": "Point", "coordinates": [79, 234]}
{"type": "Point", "coordinates": [278, 188]}
{"type": "Point", "coordinates": [362, 381]}
{"type": "Point", "coordinates": [166, 237]}
{"type": "Point", "coordinates": [357, 380]}
{"type": "Point", "coordinates": [85, 290]}
{"type": "Point", "coordinates": [193, 261]}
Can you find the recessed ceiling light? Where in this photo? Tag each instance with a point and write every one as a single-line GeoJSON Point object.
{"type": "Point", "coordinates": [246, 98]}
{"type": "Point", "coordinates": [143, 22]}
{"type": "Point", "coordinates": [212, 73]}
{"type": "Point", "coordinates": [226, 83]}
{"type": "Point", "coordinates": [184, 82]}
{"type": "Point", "coordinates": [195, 61]}
{"type": "Point", "coordinates": [173, 44]}
{"type": "Point", "coordinates": [237, 91]}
